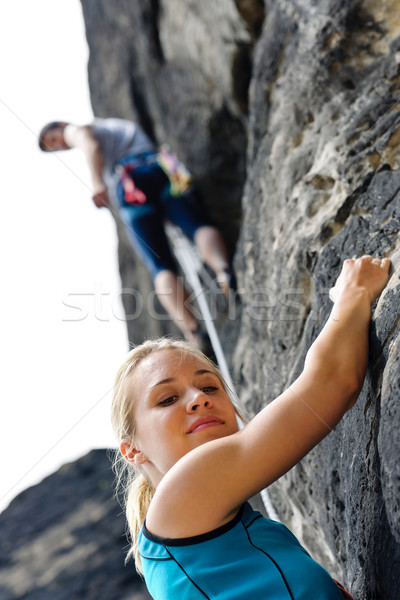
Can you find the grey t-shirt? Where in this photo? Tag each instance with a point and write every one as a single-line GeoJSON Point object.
{"type": "Point", "coordinates": [118, 139]}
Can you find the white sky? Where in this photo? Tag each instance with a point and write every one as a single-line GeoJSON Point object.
{"type": "Point", "coordinates": [56, 249]}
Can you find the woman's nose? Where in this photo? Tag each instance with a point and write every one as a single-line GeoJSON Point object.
{"type": "Point", "coordinates": [198, 400]}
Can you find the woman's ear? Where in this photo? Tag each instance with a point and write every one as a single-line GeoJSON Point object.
{"type": "Point", "coordinates": [131, 454]}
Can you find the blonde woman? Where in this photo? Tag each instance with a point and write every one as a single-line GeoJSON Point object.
{"type": "Point", "coordinates": [194, 535]}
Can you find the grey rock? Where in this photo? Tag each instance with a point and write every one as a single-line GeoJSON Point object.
{"type": "Point", "coordinates": [63, 539]}
{"type": "Point", "coordinates": [323, 185]}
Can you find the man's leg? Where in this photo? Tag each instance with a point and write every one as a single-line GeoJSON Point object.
{"type": "Point", "coordinates": [174, 298]}
{"type": "Point", "coordinates": [184, 212]}
{"type": "Point", "coordinates": [213, 250]}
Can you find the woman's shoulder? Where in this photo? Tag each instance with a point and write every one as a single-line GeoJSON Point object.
{"type": "Point", "coordinates": [255, 525]}
{"type": "Point", "coordinates": [218, 532]}
{"type": "Point", "coordinates": [164, 523]}
{"type": "Point", "coordinates": [195, 495]}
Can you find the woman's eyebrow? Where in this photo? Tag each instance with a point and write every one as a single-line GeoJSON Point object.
{"type": "Point", "coordinates": [201, 371]}
{"type": "Point", "coordinates": [167, 380]}
{"type": "Point", "coordinates": [170, 379]}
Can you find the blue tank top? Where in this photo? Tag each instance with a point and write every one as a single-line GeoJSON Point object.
{"type": "Point", "coordinates": [249, 558]}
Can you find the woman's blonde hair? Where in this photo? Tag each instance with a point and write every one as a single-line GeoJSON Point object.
{"type": "Point", "coordinates": [137, 490]}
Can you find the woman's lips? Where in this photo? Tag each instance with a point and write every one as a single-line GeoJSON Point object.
{"type": "Point", "coordinates": [203, 423]}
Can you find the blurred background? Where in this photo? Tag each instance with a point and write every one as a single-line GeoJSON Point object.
{"type": "Point", "coordinates": [57, 250]}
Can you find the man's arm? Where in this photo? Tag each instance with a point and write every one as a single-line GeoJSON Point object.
{"type": "Point", "coordinates": [82, 137]}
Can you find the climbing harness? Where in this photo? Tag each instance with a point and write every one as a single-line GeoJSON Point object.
{"type": "Point", "coordinates": [180, 179]}
{"type": "Point", "coordinates": [192, 266]}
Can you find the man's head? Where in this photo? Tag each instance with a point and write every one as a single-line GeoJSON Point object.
{"type": "Point", "coordinates": [51, 137]}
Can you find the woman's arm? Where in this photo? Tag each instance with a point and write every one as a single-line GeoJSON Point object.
{"type": "Point", "coordinates": [216, 478]}
{"type": "Point", "coordinates": [82, 137]}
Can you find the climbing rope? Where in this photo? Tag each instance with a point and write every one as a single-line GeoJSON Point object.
{"type": "Point", "coordinates": [191, 265]}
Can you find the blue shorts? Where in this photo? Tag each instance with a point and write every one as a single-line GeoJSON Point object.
{"type": "Point", "coordinates": [145, 222]}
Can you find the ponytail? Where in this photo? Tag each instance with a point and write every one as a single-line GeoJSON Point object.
{"type": "Point", "coordinates": [134, 492]}
{"type": "Point", "coordinates": [138, 497]}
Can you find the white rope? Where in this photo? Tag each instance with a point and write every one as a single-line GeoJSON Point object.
{"type": "Point", "coordinates": [191, 265]}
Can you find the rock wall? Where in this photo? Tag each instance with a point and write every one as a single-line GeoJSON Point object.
{"type": "Point", "coordinates": [63, 539]}
{"type": "Point", "coordinates": [288, 114]}
{"type": "Point", "coordinates": [323, 184]}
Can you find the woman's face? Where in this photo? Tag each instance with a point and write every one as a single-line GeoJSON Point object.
{"type": "Point", "coordinates": [178, 404]}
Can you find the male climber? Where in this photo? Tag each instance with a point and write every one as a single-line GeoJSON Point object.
{"type": "Point", "coordinates": [125, 166]}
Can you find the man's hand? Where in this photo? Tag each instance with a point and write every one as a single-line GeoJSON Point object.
{"type": "Point", "coordinates": [100, 196]}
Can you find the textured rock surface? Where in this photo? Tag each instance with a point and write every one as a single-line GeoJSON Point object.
{"type": "Point", "coordinates": [305, 163]}
{"type": "Point", "coordinates": [63, 539]}
{"type": "Point", "coordinates": [323, 184]}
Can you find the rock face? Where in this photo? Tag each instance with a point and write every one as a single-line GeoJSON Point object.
{"type": "Point", "coordinates": [63, 539]}
{"type": "Point", "coordinates": [288, 114]}
{"type": "Point", "coordinates": [323, 185]}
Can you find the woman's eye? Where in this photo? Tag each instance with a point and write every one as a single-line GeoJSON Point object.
{"type": "Point", "coordinates": [209, 389]}
{"type": "Point", "coordinates": [167, 401]}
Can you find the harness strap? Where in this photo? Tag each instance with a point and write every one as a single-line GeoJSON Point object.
{"type": "Point", "coordinates": [132, 194]}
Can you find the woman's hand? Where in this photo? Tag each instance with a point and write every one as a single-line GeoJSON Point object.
{"type": "Point", "coordinates": [363, 274]}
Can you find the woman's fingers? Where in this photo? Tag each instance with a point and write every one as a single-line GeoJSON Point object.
{"type": "Point", "coordinates": [385, 263]}
{"type": "Point", "coordinates": [382, 262]}
{"type": "Point", "coordinates": [366, 271]}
